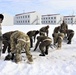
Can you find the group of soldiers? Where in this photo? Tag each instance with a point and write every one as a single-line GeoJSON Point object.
{"type": "Point", "coordinates": [16, 41]}
{"type": "Point", "coordinates": [61, 33]}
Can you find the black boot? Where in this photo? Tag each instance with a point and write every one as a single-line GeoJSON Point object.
{"type": "Point", "coordinates": [46, 53]}
{"type": "Point", "coordinates": [41, 54]}
{"type": "Point", "coordinates": [69, 42]}
{"type": "Point", "coordinates": [8, 57]}
{"type": "Point", "coordinates": [12, 58]}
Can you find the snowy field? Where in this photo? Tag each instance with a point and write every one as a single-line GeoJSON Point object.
{"type": "Point", "coordinates": [57, 62]}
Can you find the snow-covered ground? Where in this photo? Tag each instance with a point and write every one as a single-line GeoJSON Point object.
{"type": "Point", "coordinates": [57, 62]}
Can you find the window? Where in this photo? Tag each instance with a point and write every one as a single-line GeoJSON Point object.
{"type": "Point", "coordinates": [18, 17]}
{"type": "Point", "coordinates": [71, 21]}
{"type": "Point", "coordinates": [17, 21]}
{"type": "Point", "coordinates": [65, 18]}
{"type": "Point", "coordinates": [51, 17]}
{"type": "Point", "coordinates": [25, 21]}
{"type": "Point", "coordinates": [28, 21]}
{"type": "Point", "coordinates": [21, 21]}
{"type": "Point", "coordinates": [54, 17]}
{"type": "Point", "coordinates": [48, 21]}
{"type": "Point", "coordinates": [68, 19]}
{"type": "Point", "coordinates": [54, 21]}
{"type": "Point", "coordinates": [23, 16]}
{"type": "Point", "coordinates": [28, 16]}
{"type": "Point", "coordinates": [71, 18]}
{"type": "Point", "coordinates": [51, 21]}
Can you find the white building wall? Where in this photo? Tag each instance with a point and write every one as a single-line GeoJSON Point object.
{"type": "Point", "coordinates": [59, 19]}
{"type": "Point", "coordinates": [75, 20]}
{"type": "Point", "coordinates": [22, 19]}
{"type": "Point", "coordinates": [34, 18]}
{"type": "Point", "coordinates": [70, 19]}
{"type": "Point", "coordinates": [8, 20]}
{"type": "Point", "coordinates": [51, 19]}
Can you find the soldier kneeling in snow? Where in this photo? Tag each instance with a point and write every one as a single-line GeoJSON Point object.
{"type": "Point", "coordinates": [43, 42]}
{"type": "Point", "coordinates": [70, 34]}
{"type": "Point", "coordinates": [58, 38]}
{"type": "Point", "coordinates": [20, 40]}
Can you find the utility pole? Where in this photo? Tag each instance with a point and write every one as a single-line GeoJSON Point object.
{"type": "Point", "coordinates": [1, 19]}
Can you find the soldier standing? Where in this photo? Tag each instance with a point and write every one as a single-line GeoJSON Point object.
{"type": "Point", "coordinates": [20, 40]}
{"type": "Point", "coordinates": [43, 42]}
{"type": "Point", "coordinates": [1, 19]}
{"type": "Point", "coordinates": [63, 28]}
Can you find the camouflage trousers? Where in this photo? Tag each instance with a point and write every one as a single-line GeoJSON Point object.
{"type": "Point", "coordinates": [19, 47]}
{"type": "Point", "coordinates": [45, 45]}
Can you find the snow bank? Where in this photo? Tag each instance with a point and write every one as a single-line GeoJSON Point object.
{"type": "Point", "coordinates": [57, 62]}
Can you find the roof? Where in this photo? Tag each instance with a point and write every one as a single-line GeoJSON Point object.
{"type": "Point", "coordinates": [25, 13]}
{"type": "Point", "coordinates": [70, 16]}
{"type": "Point", "coordinates": [50, 14]}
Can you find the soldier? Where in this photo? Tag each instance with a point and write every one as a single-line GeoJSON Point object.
{"type": "Point", "coordinates": [6, 41]}
{"type": "Point", "coordinates": [58, 38]}
{"type": "Point", "coordinates": [20, 40]}
{"type": "Point", "coordinates": [32, 34]}
{"type": "Point", "coordinates": [43, 42]}
{"type": "Point", "coordinates": [1, 19]}
{"type": "Point", "coordinates": [70, 34]}
{"type": "Point", "coordinates": [63, 28]}
{"type": "Point", "coordinates": [6, 46]}
{"type": "Point", "coordinates": [44, 30]}
{"type": "Point", "coordinates": [56, 29]}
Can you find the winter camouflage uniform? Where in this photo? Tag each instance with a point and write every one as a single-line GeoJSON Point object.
{"type": "Point", "coordinates": [63, 28]}
{"type": "Point", "coordinates": [43, 42]}
{"type": "Point", "coordinates": [20, 40]}
{"type": "Point", "coordinates": [44, 30]}
{"type": "Point", "coordinates": [32, 34]}
{"type": "Point", "coordinates": [70, 34]}
{"type": "Point", "coordinates": [56, 29]}
{"type": "Point", "coordinates": [58, 38]}
{"type": "Point", "coordinates": [6, 41]}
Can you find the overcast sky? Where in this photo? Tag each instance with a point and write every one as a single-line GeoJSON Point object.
{"type": "Point", "coordinates": [63, 7]}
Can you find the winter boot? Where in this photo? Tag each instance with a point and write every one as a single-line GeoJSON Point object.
{"type": "Point", "coordinates": [41, 54]}
{"type": "Point", "coordinates": [8, 57]}
{"type": "Point", "coordinates": [46, 52]}
{"type": "Point", "coordinates": [69, 42]}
